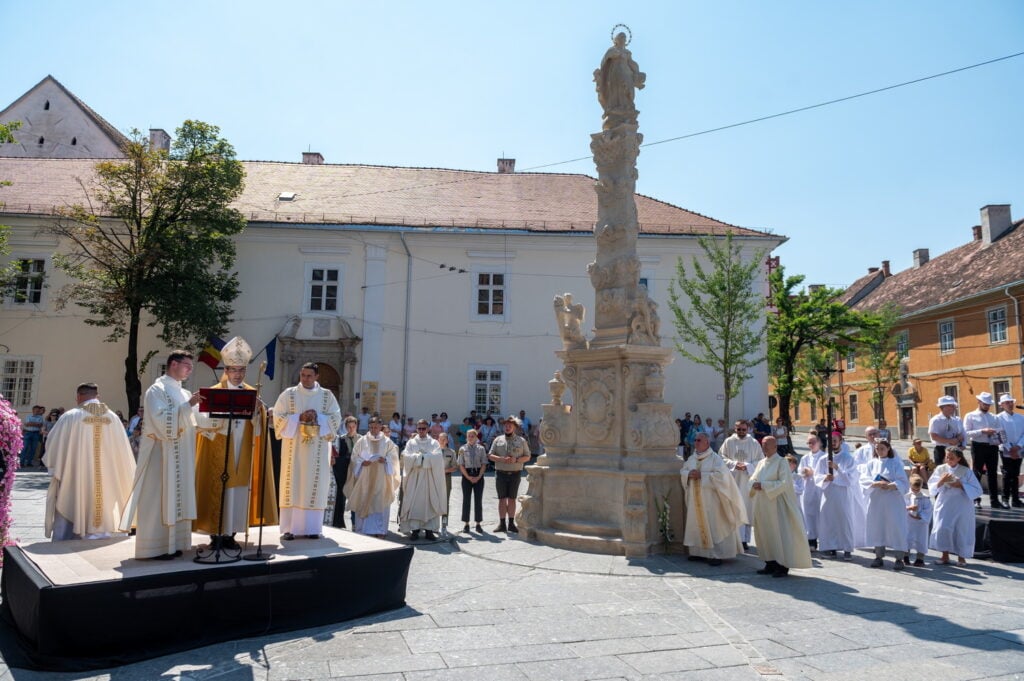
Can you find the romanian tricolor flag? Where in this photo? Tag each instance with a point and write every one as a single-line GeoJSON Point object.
{"type": "Point", "coordinates": [210, 356]}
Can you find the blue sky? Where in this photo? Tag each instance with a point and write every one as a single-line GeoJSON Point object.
{"type": "Point", "coordinates": [458, 84]}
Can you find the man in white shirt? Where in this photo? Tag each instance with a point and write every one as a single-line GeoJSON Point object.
{"type": "Point", "coordinates": [1012, 425]}
{"type": "Point", "coordinates": [982, 429]}
{"type": "Point", "coordinates": [945, 428]}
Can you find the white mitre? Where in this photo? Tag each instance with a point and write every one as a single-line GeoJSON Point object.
{"type": "Point", "coordinates": [236, 353]}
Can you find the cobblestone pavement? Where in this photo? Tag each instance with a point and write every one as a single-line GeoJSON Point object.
{"type": "Point", "coordinates": [496, 607]}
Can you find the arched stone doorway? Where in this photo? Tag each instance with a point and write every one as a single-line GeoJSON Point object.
{"type": "Point", "coordinates": [328, 341]}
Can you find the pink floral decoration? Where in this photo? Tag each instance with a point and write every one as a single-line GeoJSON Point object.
{"type": "Point", "coordinates": [10, 448]}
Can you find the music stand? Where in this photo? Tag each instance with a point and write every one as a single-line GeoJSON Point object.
{"type": "Point", "coordinates": [221, 403]}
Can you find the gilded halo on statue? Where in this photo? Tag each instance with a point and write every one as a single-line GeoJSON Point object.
{"type": "Point", "coordinates": [629, 33]}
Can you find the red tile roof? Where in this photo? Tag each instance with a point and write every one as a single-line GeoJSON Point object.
{"type": "Point", "coordinates": [361, 194]}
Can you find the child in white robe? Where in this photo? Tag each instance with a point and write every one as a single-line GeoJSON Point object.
{"type": "Point", "coordinates": [839, 482]}
{"type": "Point", "coordinates": [954, 488]}
{"type": "Point", "coordinates": [885, 484]}
{"type": "Point", "coordinates": [919, 517]}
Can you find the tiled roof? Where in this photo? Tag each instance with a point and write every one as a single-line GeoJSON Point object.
{"type": "Point", "coordinates": [360, 194]}
{"type": "Point", "coordinates": [963, 272]}
{"type": "Point", "coordinates": [857, 289]}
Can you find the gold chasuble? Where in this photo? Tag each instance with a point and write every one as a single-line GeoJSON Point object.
{"type": "Point", "coordinates": [245, 475]}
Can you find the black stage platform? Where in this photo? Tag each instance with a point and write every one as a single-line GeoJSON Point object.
{"type": "Point", "coordinates": [999, 534]}
{"type": "Point", "coordinates": [88, 604]}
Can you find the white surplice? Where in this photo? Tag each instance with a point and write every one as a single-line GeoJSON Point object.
{"type": "Point", "coordinates": [918, 528]}
{"type": "Point", "coordinates": [886, 518]}
{"type": "Point", "coordinates": [953, 518]}
{"type": "Point", "coordinates": [841, 511]}
{"type": "Point", "coordinates": [92, 468]}
{"type": "Point", "coordinates": [163, 499]}
{"type": "Point", "coordinates": [424, 499]}
{"type": "Point", "coordinates": [747, 451]}
{"type": "Point", "coordinates": [810, 496]}
{"type": "Point", "coordinates": [715, 509]}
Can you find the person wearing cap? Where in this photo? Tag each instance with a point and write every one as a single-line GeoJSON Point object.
{"type": "Point", "coordinates": [307, 420]}
{"type": "Point", "coordinates": [247, 469]}
{"type": "Point", "coordinates": [1011, 449]}
{"type": "Point", "coordinates": [509, 452]}
{"type": "Point", "coordinates": [945, 428]}
{"type": "Point", "coordinates": [983, 432]}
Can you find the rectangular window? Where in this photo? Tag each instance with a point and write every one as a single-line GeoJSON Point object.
{"type": "Point", "coordinates": [903, 345]}
{"type": "Point", "coordinates": [946, 336]}
{"type": "Point", "coordinates": [490, 295]}
{"type": "Point", "coordinates": [851, 360]}
{"type": "Point", "coordinates": [814, 411]}
{"type": "Point", "coordinates": [323, 287]}
{"type": "Point", "coordinates": [997, 325]}
{"type": "Point", "coordinates": [1000, 387]}
{"type": "Point", "coordinates": [18, 381]}
{"type": "Point", "coordinates": [953, 391]}
{"type": "Point", "coordinates": [854, 415]}
{"type": "Point", "coordinates": [488, 387]}
{"type": "Point", "coordinates": [796, 412]}
{"type": "Point", "coordinates": [28, 283]}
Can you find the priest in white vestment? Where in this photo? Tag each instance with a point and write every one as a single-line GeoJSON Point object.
{"type": "Point", "coordinates": [424, 499]}
{"type": "Point", "coordinates": [741, 453]}
{"type": "Point", "coordinates": [373, 481]}
{"type": "Point", "coordinates": [248, 467]}
{"type": "Point", "coordinates": [954, 488]}
{"type": "Point", "coordinates": [778, 527]}
{"type": "Point", "coordinates": [715, 509]}
{"type": "Point", "coordinates": [91, 467]}
{"type": "Point", "coordinates": [307, 419]}
{"type": "Point", "coordinates": [163, 500]}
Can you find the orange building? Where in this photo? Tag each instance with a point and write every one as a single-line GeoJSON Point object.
{"type": "Point", "coordinates": [959, 332]}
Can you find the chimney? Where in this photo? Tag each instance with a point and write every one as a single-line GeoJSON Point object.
{"type": "Point", "coordinates": [885, 269]}
{"type": "Point", "coordinates": [872, 270]}
{"type": "Point", "coordinates": [312, 158]}
{"type": "Point", "coordinates": [995, 222]}
{"type": "Point", "coordinates": [976, 232]}
{"type": "Point", "coordinates": [506, 165]}
{"type": "Point", "coordinates": [921, 257]}
{"type": "Point", "coordinates": [811, 288]}
{"type": "Point", "coordinates": [159, 140]}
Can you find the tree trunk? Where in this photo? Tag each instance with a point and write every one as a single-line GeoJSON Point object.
{"type": "Point", "coordinates": [725, 415]}
{"type": "Point", "coordinates": [132, 384]}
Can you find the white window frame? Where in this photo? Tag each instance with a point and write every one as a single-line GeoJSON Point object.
{"type": "Point", "coordinates": [952, 336]}
{"type": "Point", "coordinates": [998, 338]}
{"type": "Point", "coordinates": [35, 377]}
{"type": "Point", "coordinates": [10, 301]}
{"type": "Point", "coordinates": [307, 287]}
{"type": "Point", "coordinates": [903, 344]}
{"type": "Point", "coordinates": [502, 383]}
{"type": "Point", "coordinates": [474, 314]}
{"type": "Point", "coordinates": [996, 392]}
{"type": "Point", "coordinates": [851, 360]}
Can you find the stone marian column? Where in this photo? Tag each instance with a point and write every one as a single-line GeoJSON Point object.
{"type": "Point", "coordinates": [610, 459]}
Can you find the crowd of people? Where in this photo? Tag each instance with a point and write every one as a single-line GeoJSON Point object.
{"type": "Point", "coordinates": [833, 500]}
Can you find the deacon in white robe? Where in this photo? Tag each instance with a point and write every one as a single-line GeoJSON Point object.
{"type": "Point", "coordinates": [839, 484]}
{"type": "Point", "coordinates": [163, 499]}
{"type": "Point", "coordinates": [91, 468]}
{"type": "Point", "coordinates": [373, 481]}
{"type": "Point", "coordinates": [810, 497]}
{"type": "Point", "coordinates": [715, 509]}
{"type": "Point", "coordinates": [424, 500]}
{"type": "Point", "coordinates": [307, 420]}
{"type": "Point", "coordinates": [741, 453]}
{"type": "Point", "coordinates": [248, 467]}
{"type": "Point", "coordinates": [954, 488]}
{"type": "Point", "coordinates": [884, 482]}
{"type": "Point", "coordinates": [919, 518]}
{"type": "Point", "coordinates": [778, 527]}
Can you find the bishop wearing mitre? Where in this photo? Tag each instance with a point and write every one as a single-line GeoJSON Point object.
{"type": "Point", "coordinates": [248, 469]}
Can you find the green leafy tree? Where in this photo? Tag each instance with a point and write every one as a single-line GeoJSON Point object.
{"type": "Point", "coordinates": [808, 383]}
{"type": "Point", "coordinates": [804, 319]}
{"type": "Point", "coordinates": [720, 329]}
{"type": "Point", "coordinates": [877, 354]}
{"type": "Point", "coordinates": [155, 244]}
{"type": "Point", "coordinates": [9, 271]}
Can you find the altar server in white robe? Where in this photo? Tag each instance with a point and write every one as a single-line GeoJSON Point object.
{"type": "Point", "coordinates": [839, 483]}
{"type": "Point", "coordinates": [91, 468]}
{"type": "Point", "coordinates": [885, 483]}
{"type": "Point", "coordinates": [778, 527]}
{"type": "Point", "coordinates": [163, 500]}
{"type": "Point", "coordinates": [954, 488]}
{"type": "Point", "coordinates": [741, 453]}
{"type": "Point", "coordinates": [715, 509]}
{"type": "Point", "coordinates": [424, 500]}
{"type": "Point", "coordinates": [373, 481]}
{"type": "Point", "coordinates": [307, 420]}
{"type": "Point", "coordinates": [919, 518]}
{"type": "Point", "coordinates": [810, 497]}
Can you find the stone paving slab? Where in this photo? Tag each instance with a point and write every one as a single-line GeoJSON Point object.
{"type": "Point", "coordinates": [496, 608]}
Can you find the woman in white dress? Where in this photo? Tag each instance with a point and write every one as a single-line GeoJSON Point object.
{"type": "Point", "coordinates": [953, 487]}
{"type": "Point", "coordinates": [885, 483]}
